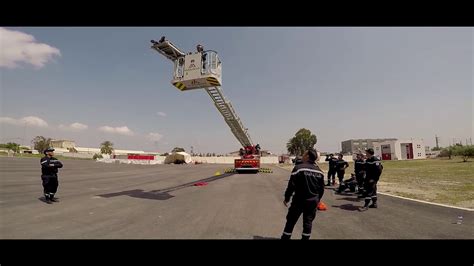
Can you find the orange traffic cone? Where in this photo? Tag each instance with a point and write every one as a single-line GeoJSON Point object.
{"type": "Point", "coordinates": [322, 206]}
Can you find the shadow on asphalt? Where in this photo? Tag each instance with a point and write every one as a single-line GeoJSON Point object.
{"type": "Point", "coordinates": [264, 238]}
{"type": "Point", "coordinates": [161, 194]}
{"type": "Point", "coordinates": [43, 199]}
{"type": "Point", "coordinates": [347, 207]}
{"type": "Point", "coordinates": [350, 199]}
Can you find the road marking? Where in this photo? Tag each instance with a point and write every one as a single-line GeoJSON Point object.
{"type": "Point", "coordinates": [427, 202]}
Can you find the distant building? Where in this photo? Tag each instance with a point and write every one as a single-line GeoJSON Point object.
{"type": "Point", "coordinates": [69, 146]}
{"type": "Point", "coordinates": [400, 149]}
{"type": "Point", "coordinates": [65, 144]}
{"type": "Point", "coordinates": [356, 145]}
{"type": "Point", "coordinates": [115, 152]}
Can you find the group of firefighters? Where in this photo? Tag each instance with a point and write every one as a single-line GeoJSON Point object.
{"type": "Point", "coordinates": [306, 186]}
{"type": "Point", "coordinates": [367, 171]}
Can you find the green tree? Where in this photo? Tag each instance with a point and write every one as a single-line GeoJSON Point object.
{"type": "Point", "coordinates": [436, 149]}
{"type": "Point", "coordinates": [41, 143]}
{"type": "Point", "coordinates": [97, 156]}
{"type": "Point", "coordinates": [15, 147]}
{"type": "Point", "coordinates": [106, 147]}
{"type": "Point", "coordinates": [177, 149]}
{"type": "Point", "coordinates": [302, 141]}
{"type": "Point", "coordinates": [465, 151]}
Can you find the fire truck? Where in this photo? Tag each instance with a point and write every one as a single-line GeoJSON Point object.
{"type": "Point", "coordinates": [202, 69]}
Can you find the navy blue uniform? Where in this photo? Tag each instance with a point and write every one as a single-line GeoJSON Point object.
{"type": "Point", "coordinates": [49, 175]}
{"type": "Point", "coordinates": [332, 170]}
{"type": "Point", "coordinates": [359, 170]}
{"type": "Point", "coordinates": [306, 185]}
{"type": "Point", "coordinates": [373, 170]}
{"type": "Point", "coordinates": [341, 166]}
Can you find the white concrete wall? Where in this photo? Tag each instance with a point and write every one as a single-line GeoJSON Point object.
{"type": "Point", "coordinates": [160, 159]}
{"type": "Point", "coordinates": [269, 160]}
{"type": "Point", "coordinates": [421, 150]}
{"type": "Point", "coordinates": [418, 147]}
{"type": "Point", "coordinates": [230, 160]}
{"type": "Point", "coordinates": [395, 152]}
{"type": "Point", "coordinates": [398, 152]}
{"type": "Point", "coordinates": [221, 160]}
{"type": "Point", "coordinates": [403, 150]}
{"type": "Point", "coordinates": [378, 149]}
{"type": "Point", "coordinates": [217, 160]}
{"type": "Point", "coordinates": [77, 155]}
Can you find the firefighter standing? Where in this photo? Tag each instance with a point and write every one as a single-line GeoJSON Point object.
{"type": "Point", "coordinates": [332, 169]}
{"type": "Point", "coordinates": [341, 166]}
{"type": "Point", "coordinates": [359, 170]}
{"type": "Point", "coordinates": [49, 175]}
{"type": "Point", "coordinates": [373, 170]}
{"type": "Point", "coordinates": [307, 184]}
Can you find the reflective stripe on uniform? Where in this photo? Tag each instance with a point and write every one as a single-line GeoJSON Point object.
{"type": "Point", "coordinates": [306, 234]}
{"type": "Point", "coordinates": [376, 162]}
{"type": "Point", "coordinates": [288, 234]}
{"type": "Point", "coordinates": [307, 169]}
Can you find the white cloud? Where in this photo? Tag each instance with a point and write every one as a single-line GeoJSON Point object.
{"type": "Point", "coordinates": [117, 130]}
{"type": "Point", "coordinates": [161, 114]}
{"type": "Point", "coordinates": [73, 127]}
{"type": "Point", "coordinates": [154, 136]}
{"type": "Point", "coordinates": [32, 121]}
{"type": "Point", "coordinates": [18, 47]}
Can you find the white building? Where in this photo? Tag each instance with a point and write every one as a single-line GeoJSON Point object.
{"type": "Point", "coordinates": [97, 150]}
{"type": "Point", "coordinates": [400, 149]}
{"type": "Point", "coordinates": [63, 143]}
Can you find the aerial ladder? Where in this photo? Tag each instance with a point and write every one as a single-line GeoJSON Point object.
{"type": "Point", "coordinates": [203, 70]}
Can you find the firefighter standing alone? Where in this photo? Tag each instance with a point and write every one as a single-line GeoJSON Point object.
{"type": "Point", "coordinates": [307, 184]}
{"type": "Point", "coordinates": [49, 175]}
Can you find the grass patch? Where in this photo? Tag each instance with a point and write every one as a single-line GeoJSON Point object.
{"type": "Point", "coordinates": [436, 180]}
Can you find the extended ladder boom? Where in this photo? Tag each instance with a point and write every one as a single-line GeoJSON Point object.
{"type": "Point", "coordinates": [230, 117]}
{"type": "Point", "coordinates": [202, 70]}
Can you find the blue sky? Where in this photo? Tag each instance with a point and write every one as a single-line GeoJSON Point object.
{"type": "Point", "coordinates": [340, 83]}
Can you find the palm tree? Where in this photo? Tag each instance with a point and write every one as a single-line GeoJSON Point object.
{"type": "Point", "coordinates": [106, 147]}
